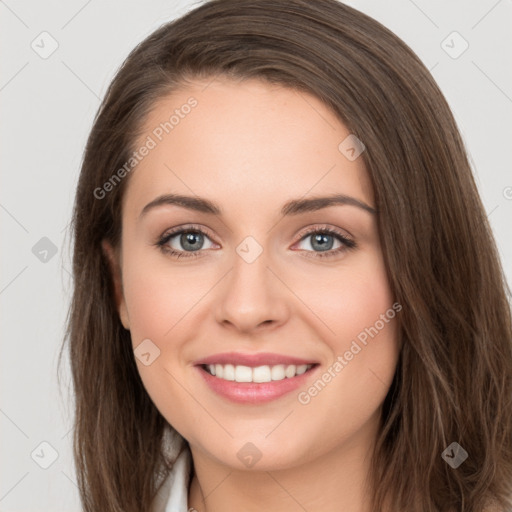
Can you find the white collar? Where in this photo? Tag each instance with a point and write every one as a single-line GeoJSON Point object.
{"type": "Point", "coordinates": [173, 495]}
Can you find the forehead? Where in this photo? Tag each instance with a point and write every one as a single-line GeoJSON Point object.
{"type": "Point", "coordinates": [248, 142]}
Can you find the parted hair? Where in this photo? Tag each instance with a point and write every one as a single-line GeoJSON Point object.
{"type": "Point", "coordinates": [453, 381]}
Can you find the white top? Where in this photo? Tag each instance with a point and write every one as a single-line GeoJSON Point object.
{"type": "Point", "coordinates": [173, 495]}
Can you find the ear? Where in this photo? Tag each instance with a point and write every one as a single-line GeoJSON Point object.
{"type": "Point", "coordinates": [115, 270]}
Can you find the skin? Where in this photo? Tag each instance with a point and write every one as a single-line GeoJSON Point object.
{"type": "Point", "coordinates": [250, 147]}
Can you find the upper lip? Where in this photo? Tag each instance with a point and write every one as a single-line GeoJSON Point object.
{"type": "Point", "coordinates": [252, 360]}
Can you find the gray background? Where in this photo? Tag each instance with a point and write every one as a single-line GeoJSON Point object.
{"type": "Point", "coordinates": [47, 109]}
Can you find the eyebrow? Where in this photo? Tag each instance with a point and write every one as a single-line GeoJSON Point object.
{"type": "Point", "coordinates": [293, 207]}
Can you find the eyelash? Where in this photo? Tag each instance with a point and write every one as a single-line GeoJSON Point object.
{"type": "Point", "coordinates": [347, 243]}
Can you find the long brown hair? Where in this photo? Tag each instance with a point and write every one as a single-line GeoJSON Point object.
{"type": "Point", "coordinates": [453, 382]}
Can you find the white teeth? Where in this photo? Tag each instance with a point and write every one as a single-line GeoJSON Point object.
{"type": "Point", "coordinates": [243, 374]}
{"type": "Point", "coordinates": [261, 374]}
{"type": "Point", "coordinates": [290, 371]}
{"type": "Point", "coordinates": [277, 372]}
{"type": "Point", "coordinates": [229, 372]}
{"type": "Point", "coordinates": [301, 369]}
{"type": "Point", "coordinates": [258, 374]}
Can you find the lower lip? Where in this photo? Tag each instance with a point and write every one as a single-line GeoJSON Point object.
{"type": "Point", "coordinates": [253, 392]}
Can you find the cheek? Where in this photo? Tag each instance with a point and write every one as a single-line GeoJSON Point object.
{"type": "Point", "coordinates": [157, 302]}
{"type": "Point", "coordinates": [365, 302]}
{"type": "Point", "coordinates": [358, 322]}
{"type": "Point", "coordinates": [349, 300]}
{"type": "Point", "coordinates": [157, 299]}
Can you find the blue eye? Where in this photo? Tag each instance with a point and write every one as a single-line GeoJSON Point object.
{"type": "Point", "coordinates": [323, 239]}
{"type": "Point", "coordinates": [192, 239]}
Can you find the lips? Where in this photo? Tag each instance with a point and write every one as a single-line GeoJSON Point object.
{"type": "Point", "coordinates": [253, 360]}
{"type": "Point", "coordinates": [254, 378]}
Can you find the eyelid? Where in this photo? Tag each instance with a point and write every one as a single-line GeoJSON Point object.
{"type": "Point", "coordinates": [347, 242]}
{"type": "Point", "coordinates": [184, 228]}
{"type": "Point", "coordinates": [163, 239]}
{"type": "Point", "coordinates": [302, 233]}
{"type": "Point", "coordinates": [324, 227]}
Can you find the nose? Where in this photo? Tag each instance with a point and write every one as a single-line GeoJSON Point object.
{"type": "Point", "coordinates": [252, 297]}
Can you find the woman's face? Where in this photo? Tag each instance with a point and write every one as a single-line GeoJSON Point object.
{"type": "Point", "coordinates": [256, 296]}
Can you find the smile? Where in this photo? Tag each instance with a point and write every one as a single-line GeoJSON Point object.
{"type": "Point", "coordinates": [254, 378]}
{"type": "Point", "coordinates": [259, 374]}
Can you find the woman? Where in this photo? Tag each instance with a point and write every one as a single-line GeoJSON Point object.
{"type": "Point", "coordinates": [287, 294]}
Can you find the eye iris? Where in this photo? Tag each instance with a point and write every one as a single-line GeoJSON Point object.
{"type": "Point", "coordinates": [190, 240]}
{"type": "Point", "coordinates": [323, 240]}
